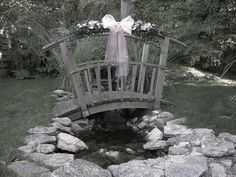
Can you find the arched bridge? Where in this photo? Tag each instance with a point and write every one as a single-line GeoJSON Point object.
{"type": "Point", "coordinates": [97, 89]}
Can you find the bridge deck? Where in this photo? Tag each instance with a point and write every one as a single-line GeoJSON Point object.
{"type": "Point", "coordinates": [100, 102]}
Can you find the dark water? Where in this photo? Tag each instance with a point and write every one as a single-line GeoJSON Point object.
{"type": "Point", "coordinates": [113, 135]}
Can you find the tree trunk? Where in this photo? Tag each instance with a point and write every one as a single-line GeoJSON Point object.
{"type": "Point", "coordinates": [127, 8]}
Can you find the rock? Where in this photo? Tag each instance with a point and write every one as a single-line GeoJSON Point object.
{"type": "Point", "coordinates": [155, 134]}
{"type": "Point", "coordinates": [116, 157]}
{"type": "Point", "coordinates": [28, 169]}
{"type": "Point", "coordinates": [63, 98]}
{"type": "Point", "coordinates": [217, 170]}
{"type": "Point", "coordinates": [80, 168]}
{"type": "Point", "coordinates": [43, 130]}
{"type": "Point", "coordinates": [135, 168]}
{"type": "Point", "coordinates": [234, 169]}
{"type": "Point", "coordinates": [142, 125]}
{"type": "Point", "coordinates": [27, 149]}
{"type": "Point", "coordinates": [175, 130]}
{"type": "Point", "coordinates": [134, 120]}
{"type": "Point", "coordinates": [70, 143]}
{"type": "Point", "coordinates": [36, 139]}
{"type": "Point", "coordinates": [215, 147]}
{"type": "Point", "coordinates": [165, 115]}
{"type": "Point", "coordinates": [228, 137]}
{"type": "Point", "coordinates": [176, 150]}
{"type": "Point", "coordinates": [65, 121]}
{"type": "Point", "coordinates": [130, 151]}
{"type": "Point", "coordinates": [181, 121]}
{"type": "Point", "coordinates": [52, 160]}
{"type": "Point", "coordinates": [226, 162]}
{"type": "Point", "coordinates": [76, 128]}
{"type": "Point", "coordinates": [62, 128]}
{"type": "Point", "coordinates": [61, 93]}
{"type": "Point", "coordinates": [155, 145]}
{"type": "Point", "coordinates": [82, 122]}
{"type": "Point", "coordinates": [45, 148]}
{"type": "Point", "coordinates": [186, 166]}
{"type": "Point", "coordinates": [156, 112]}
{"type": "Point", "coordinates": [194, 138]}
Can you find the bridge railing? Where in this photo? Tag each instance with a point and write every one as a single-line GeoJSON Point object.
{"type": "Point", "coordinates": [144, 78]}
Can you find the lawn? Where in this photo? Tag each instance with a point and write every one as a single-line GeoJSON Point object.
{"type": "Point", "coordinates": [27, 103]}
{"type": "Point", "coordinates": [24, 104]}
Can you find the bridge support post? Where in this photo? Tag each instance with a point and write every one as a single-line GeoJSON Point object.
{"type": "Point", "coordinates": [161, 73]}
{"type": "Point", "coordinates": [70, 65]}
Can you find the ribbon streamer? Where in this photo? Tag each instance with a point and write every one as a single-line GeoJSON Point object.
{"type": "Point", "coordinates": [117, 50]}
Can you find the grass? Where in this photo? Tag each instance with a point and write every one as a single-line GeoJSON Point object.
{"type": "Point", "coordinates": [204, 103]}
{"type": "Point", "coordinates": [24, 104]}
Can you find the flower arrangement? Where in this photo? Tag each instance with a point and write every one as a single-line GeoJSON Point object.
{"type": "Point", "coordinates": [141, 29]}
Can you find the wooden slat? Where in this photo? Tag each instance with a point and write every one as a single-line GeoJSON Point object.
{"type": "Point", "coordinates": [161, 73]}
{"type": "Point", "coordinates": [152, 82]}
{"type": "Point", "coordinates": [98, 78]}
{"type": "Point", "coordinates": [109, 78]}
{"type": "Point", "coordinates": [89, 73]}
{"type": "Point", "coordinates": [134, 74]}
{"type": "Point", "coordinates": [122, 83]}
{"type": "Point", "coordinates": [145, 55]}
{"type": "Point", "coordinates": [88, 83]}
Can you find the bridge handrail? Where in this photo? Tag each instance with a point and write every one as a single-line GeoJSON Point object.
{"type": "Point", "coordinates": [57, 42]}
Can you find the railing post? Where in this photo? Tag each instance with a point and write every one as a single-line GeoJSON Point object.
{"type": "Point", "coordinates": [161, 73]}
{"type": "Point", "coordinates": [70, 65]}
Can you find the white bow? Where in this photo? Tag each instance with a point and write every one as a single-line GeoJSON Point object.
{"type": "Point", "coordinates": [126, 24]}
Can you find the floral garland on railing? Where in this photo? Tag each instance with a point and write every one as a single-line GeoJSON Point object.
{"type": "Point", "coordinates": [141, 29]}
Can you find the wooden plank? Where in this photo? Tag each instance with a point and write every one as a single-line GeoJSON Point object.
{"type": "Point", "coordinates": [61, 108]}
{"type": "Point", "coordinates": [134, 75]}
{"type": "Point", "coordinates": [142, 72]}
{"type": "Point", "coordinates": [122, 83]}
{"type": "Point", "coordinates": [71, 105]}
{"type": "Point", "coordinates": [109, 78]}
{"type": "Point", "coordinates": [98, 78]}
{"type": "Point", "coordinates": [152, 82]}
{"type": "Point", "coordinates": [89, 73]}
{"type": "Point", "coordinates": [161, 72]}
{"type": "Point", "coordinates": [88, 83]}
{"type": "Point", "coordinates": [70, 67]}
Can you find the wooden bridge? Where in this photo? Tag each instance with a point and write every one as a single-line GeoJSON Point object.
{"type": "Point", "coordinates": [97, 89]}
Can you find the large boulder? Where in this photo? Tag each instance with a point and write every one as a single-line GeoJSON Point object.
{"type": "Point", "coordinates": [65, 121]}
{"type": "Point", "coordinates": [62, 128]}
{"type": "Point", "coordinates": [46, 148]}
{"type": "Point", "coordinates": [43, 130]}
{"type": "Point", "coordinates": [70, 143]}
{"type": "Point", "coordinates": [136, 168]}
{"type": "Point", "coordinates": [27, 149]}
{"type": "Point", "coordinates": [180, 121]}
{"type": "Point", "coordinates": [186, 166]}
{"type": "Point", "coordinates": [36, 139]}
{"type": "Point", "coordinates": [194, 138]}
{"type": "Point", "coordinates": [217, 170]}
{"type": "Point", "coordinates": [52, 160]}
{"type": "Point", "coordinates": [170, 166]}
{"type": "Point", "coordinates": [155, 134]}
{"type": "Point", "coordinates": [176, 130]}
{"type": "Point", "coordinates": [81, 168]}
{"type": "Point", "coordinates": [28, 169]}
{"type": "Point", "coordinates": [155, 145]}
{"type": "Point", "coordinates": [215, 147]}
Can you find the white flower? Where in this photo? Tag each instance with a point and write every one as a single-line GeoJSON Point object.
{"type": "Point", "coordinates": [92, 24]}
{"type": "Point", "coordinates": [146, 27]}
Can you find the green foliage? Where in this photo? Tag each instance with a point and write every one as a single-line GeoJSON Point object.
{"type": "Point", "coordinates": [204, 25]}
